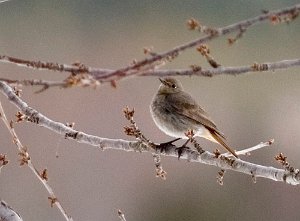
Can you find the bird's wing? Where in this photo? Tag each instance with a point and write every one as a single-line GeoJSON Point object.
{"type": "Point", "coordinates": [187, 106]}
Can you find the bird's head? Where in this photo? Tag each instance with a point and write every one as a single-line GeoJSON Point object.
{"type": "Point", "coordinates": [169, 86]}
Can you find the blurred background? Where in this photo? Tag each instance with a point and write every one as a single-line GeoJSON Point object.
{"type": "Point", "coordinates": [92, 184]}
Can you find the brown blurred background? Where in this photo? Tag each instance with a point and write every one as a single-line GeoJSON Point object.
{"type": "Point", "coordinates": [92, 184]}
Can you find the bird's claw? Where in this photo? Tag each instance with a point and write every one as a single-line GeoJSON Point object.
{"type": "Point", "coordinates": [163, 146]}
{"type": "Point", "coordinates": [181, 149]}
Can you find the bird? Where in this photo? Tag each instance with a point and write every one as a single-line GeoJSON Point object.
{"type": "Point", "coordinates": [175, 112]}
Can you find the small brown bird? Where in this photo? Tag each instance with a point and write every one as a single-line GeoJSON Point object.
{"type": "Point", "coordinates": [175, 112]}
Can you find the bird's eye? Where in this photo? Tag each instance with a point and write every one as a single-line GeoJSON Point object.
{"type": "Point", "coordinates": [173, 86]}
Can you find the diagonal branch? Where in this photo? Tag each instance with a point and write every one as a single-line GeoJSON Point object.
{"type": "Point", "coordinates": [124, 72]}
{"type": "Point", "coordinates": [26, 160]}
{"type": "Point", "coordinates": [238, 165]}
{"type": "Point", "coordinates": [145, 66]}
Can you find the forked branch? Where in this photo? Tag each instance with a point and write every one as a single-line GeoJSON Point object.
{"type": "Point", "coordinates": [148, 65]}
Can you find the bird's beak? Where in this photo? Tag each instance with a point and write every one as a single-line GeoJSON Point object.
{"type": "Point", "coordinates": [162, 81]}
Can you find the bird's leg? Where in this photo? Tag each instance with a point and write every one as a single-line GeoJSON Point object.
{"type": "Point", "coordinates": [183, 147]}
{"type": "Point", "coordinates": [162, 147]}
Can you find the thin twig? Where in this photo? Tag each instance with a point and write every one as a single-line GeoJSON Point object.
{"type": "Point", "coordinates": [147, 65]}
{"type": "Point", "coordinates": [194, 71]}
{"type": "Point", "coordinates": [121, 215]}
{"type": "Point", "coordinates": [2, 1]}
{"type": "Point", "coordinates": [204, 157]}
{"type": "Point", "coordinates": [3, 159]}
{"type": "Point", "coordinates": [268, 66]}
{"type": "Point", "coordinates": [219, 32]}
{"type": "Point", "coordinates": [36, 82]}
{"type": "Point", "coordinates": [282, 159]}
{"type": "Point", "coordinates": [26, 160]}
{"type": "Point", "coordinates": [52, 66]}
{"type": "Point", "coordinates": [133, 130]}
{"type": "Point", "coordinates": [251, 149]}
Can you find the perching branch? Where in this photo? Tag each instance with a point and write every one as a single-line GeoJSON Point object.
{"type": "Point", "coordinates": [32, 115]}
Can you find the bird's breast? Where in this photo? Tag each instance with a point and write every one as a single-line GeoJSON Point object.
{"type": "Point", "coordinates": [172, 123]}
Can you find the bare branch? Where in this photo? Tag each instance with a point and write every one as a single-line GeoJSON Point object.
{"type": "Point", "coordinates": [147, 66]}
{"type": "Point", "coordinates": [26, 160]}
{"type": "Point", "coordinates": [104, 143]}
{"type": "Point", "coordinates": [36, 82]}
{"type": "Point", "coordinates": [160, 172]}
{"type": "Point", "coordinates": [280, 158]}
{"type": "Point", "coordinates": [121, 215]}
{"type": "Point", "coordinates": [193, 71]}
{"type": "Point", "coordinates": [133, 130]}
{"type": "Point", "coordinates": [52, 66]}
{"type": "Point", "coordinates": [205, 51]}
{"type": "Point", "coordinates": [2, 1]}
{"type": "Point", "coordinates": [250, 149]}
{"type": "Point", "coordinates": [124, 72]}
{"type": "Point", "coordinates": [3, 160]}
{"type": "Point", "coordinates": [269, 66]}
{"type": "Point", "coordinates": [7, 213]}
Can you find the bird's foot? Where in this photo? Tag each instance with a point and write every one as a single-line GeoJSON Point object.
{"type": "Point", "coordinates": [163, 146]}
{"type": "Point", "coordinates": [181, 149]}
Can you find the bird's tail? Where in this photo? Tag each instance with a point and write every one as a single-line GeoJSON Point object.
{"type": "Point", "coordinates": [222, 142]}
